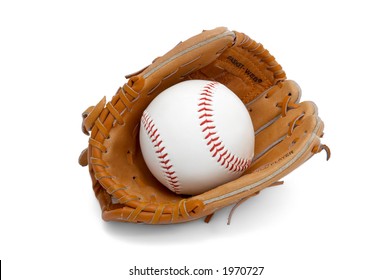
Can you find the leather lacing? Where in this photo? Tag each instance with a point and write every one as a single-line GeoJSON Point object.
{"type": "Point", "coordinates": [238, 203]}
{"type": "Point", "coordinates": [286, 104]}
{"type": "Point", "coordinates": [322, 147]}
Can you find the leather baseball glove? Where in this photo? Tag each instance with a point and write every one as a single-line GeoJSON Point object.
{"type": "Point", "coordinates": [287, 132]}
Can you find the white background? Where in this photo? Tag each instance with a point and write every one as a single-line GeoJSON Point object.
{"type": "Point", "coordinates": [331, 220]}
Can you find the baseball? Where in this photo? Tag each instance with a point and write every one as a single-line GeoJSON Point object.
{"type": "Point", "coordinates": [196, 135]}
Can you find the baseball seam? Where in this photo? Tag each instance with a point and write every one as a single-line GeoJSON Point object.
{"type": "Point", "coordinates": [223, 156]}
{"type": "Point", "coordinates": [164, 160]}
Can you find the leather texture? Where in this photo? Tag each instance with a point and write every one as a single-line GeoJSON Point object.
{"type": "Point", "coordinates": [287, 131]}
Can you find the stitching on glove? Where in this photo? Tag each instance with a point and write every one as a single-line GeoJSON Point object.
{"type": "Point", "coordinates": [264, 55]}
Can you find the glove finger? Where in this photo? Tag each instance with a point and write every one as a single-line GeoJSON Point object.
{"type": "Point", "coordinates": [287, 136]}
{"type": "Point", "coordinates": [264, 110]}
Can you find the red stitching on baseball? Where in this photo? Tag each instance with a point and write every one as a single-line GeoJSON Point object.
{"type": "Point", "coordinates": [217, 149]}
{"type": "Point", "coordinates": [153, 134]}
{"type": "Point", "coordinates": [212, 140]}
{"type": "Point", "coordinates": [208, 128]}
{"type": "Point", "coordinates": [204, 104]}
{"type": "Point", "coordinates": [209, 135]}
{"type": "Point", "coordinates": [159, 149]}
{"type": "Point", "coordinates": [204, 109]}
{"type": "Point", "coordinates": [206, 121]}
{"type": "Point", "coordinates": [205, 115]}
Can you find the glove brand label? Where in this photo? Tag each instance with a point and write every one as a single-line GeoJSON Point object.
{"type": "Point", "coordinates": [265, 166]}
{"type": "Point", "coordinates": [247, 71]}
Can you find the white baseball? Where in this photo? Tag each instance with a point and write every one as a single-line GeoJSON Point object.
{"type": "Point", "coordinates": [195, 136]}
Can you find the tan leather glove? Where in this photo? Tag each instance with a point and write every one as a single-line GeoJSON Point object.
{"type": "Point", "coordinates": [287, 132]}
